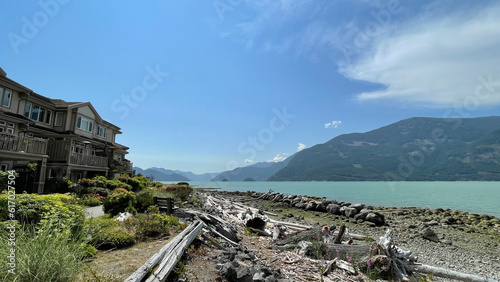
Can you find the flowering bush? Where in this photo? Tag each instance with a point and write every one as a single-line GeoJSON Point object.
{"type": "Point", "coordinates": [91, 200]}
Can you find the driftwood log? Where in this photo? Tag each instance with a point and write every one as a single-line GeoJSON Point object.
{"type": "Point", "coordinates": [171, 252]}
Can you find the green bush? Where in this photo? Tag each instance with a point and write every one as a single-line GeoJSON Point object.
{"type": "Point", "coordinates": [144, 181]}
{"type": "Point", "coordinates": [134, 183]}
{"type": "Point", "coordinates": [107, 233]}
{"type": "Point", "coordinates": [91, 200]}
{"type": "Point", "coordinates": [100, 181]}
{"type": "Point", "coordinates": [57, 185]}
{"type": "Point", "coordinates": [31, 208]}
{"type": "Point", "coordinates": [49, 251]}
{"type": "Point", "coordinates": [180, 192]}
{"type": "Point", "coordinates": [144, 200]}
{"type": "Point", "coordinates": [79, 189]}
{"type": "Point", "coordinates": [85, 182]}
{"type": "Point", "coordinates": [118, 201]}
{"type": "Point", "coordinates": [151, 225]}
{"type": "Point", "coordinates": [101, 191]}
{"type": "Point", "coordinates": [115, 183]}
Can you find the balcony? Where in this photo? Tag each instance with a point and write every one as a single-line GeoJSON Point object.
{"type": "Point", "coordinates": [88, 160]}
{"type": "Point", "coordinates": [23, 144]}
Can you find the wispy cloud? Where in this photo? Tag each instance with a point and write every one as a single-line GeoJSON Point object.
{"type": "Point", "coordinates": [280, 157]}
{"type": "Point", "coordinates": [248, 161]}
{"type": "Point", "coordinates": [333, 124]}
{"type": "Point", "coordinates": [301, 147]}
{"type": "Point", "coordinates": [437, 61]}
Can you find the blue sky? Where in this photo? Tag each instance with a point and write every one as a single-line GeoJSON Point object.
{"type": "Point", "coordinates": [205, 86]}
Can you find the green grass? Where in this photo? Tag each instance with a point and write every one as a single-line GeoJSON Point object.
{"type": "Point", "coordinates": [46, 252]}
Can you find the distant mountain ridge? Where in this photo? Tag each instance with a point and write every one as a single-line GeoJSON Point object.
{"type": "Point", "coordinates": [161, 174]}
{"type": "Point", "coordinates": [258, 172]}
{"type": "Point", "coordinates": [415, 149]}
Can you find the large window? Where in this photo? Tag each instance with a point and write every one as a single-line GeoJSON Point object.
{"type": "Point", "coordinates": [37, 113]}
{"type": "Point", "coordinates": [101, 131]}
{"type": "Point", "coordinates": [5, 97]}
{"type": "Point", "coordinates": [84, 123]}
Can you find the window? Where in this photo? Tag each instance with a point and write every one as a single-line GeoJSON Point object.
{"type": "Point", "coordinates": [59, 119]}
{"type": "Point", "coordinates": [84, 123]}
{"type": "Point", "coordinates": [27, 110]}
{"type": "Point", "coordinates": [10, 131]}
{"type": "Point", "coordinates": [48, 116]}
{"type": "Point", "coordinates": [2, 123]}
{"type": "Point", "coordinates": [2, 129]}
{"type": "Point", "coordinates": [101, 131]}
{"type": "Point", "coordinates": [37, 113]}
{"type": "Point", "coordinates": [11, 124]}
{"type": "Point", "coordinates": [3, 167]}
{"type": "Point", "coordinates": [5, 97]}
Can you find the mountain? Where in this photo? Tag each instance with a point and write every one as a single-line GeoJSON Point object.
{"type": "Point", "coordinates": [415, 149]}
{"type": "Point", "coordinates": [160, 176]}
{"type": "Point", "coordinates": [257, 172]}
{"type": "Point", "coordinates": [191, 176]}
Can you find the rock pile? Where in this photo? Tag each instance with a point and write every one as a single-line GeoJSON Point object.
{"type": "Point", "coordinates": [239, 264]}
{"type": "Point", "coordinates": [359, 212]}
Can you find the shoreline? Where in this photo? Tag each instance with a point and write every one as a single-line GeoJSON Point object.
{"type": "Point", "coordinates": [464, 196]}
{"type": "Point", "coordinates": [464, 242]}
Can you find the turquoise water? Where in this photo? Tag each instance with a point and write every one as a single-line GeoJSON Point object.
{"type": "Point", "coordinates": [475, 197]}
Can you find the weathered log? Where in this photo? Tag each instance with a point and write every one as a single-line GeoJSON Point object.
{"type": "Point", "coordinates": [338, 239]}
{"type": "Point", "coordinates": [342, 250]}
{"type": "Point", "coordinates": [446, 273]}
{"type": "Point", "coordinates": [259, 231]}
{"type": "Point", "coordinates": [166, 250]}
{"type": "Point", "coordinates": [169, 262]}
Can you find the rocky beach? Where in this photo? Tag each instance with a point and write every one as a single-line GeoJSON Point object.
{"type": "Point", "coordinates": [454, 240]}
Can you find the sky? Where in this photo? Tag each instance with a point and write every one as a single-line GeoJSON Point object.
{"type": "Point", "coordinates": [207, 86]}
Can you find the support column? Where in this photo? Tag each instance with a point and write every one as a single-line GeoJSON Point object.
{"type": "Point", "coordinates": [43, 173]}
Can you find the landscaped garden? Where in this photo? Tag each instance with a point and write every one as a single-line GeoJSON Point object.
{"type": "Point", "coordinates": [51, 240]}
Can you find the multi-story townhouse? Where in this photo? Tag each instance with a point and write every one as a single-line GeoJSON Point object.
{"type": "Point", "coordinates": [64, 139]}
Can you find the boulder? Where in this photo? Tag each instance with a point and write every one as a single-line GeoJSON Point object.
{"type": "Point", "coordinates": [429, 234]}
{"type": "Point", "coordinates": [333, 209]}
{"type": "Point", "coordinates": [374, 218]}
{"type": "Point", "coordinates": [321, 207]}
{"type": "Point", "coordinates": [311, 206]}
{"type": "Point", "coordinates": [359, 207]}
{"type": "Point", "coordinates": [350, 212]}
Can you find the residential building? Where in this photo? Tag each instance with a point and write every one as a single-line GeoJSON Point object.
{"type": "Point", "coordinates": [63, 139]}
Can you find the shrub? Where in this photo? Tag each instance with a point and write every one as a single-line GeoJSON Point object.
{"type": "Point", "coordinates": [101, 191]}
{"type": "Point", "coordinates": [134, 183]}
{"type": "Point", "coordinates": [118, 201]}
{"type": "Point", "coordinates": [85, 182]}
{"type": "Point", "coordinates": [31, 208]}
{"type": "Point", "coordinates": [144, 200]}
{"type": "Point", "coordinates": [91, 200]}
{"type": "Point", "coordinates": [144, 181]}
{"type": "Point", "coordinates": [115, 183]}
{"type": "Point", "coordinates": [45, 252]}
{"type": "Point", "coordinates": [156, 184]}
{"type": "Point", "coordinates": [181, 192]}
{"type": "Point", "coordinates": [100, 181]}
{"type": "Point", "coordinates": [57, 185]}
{"type": "Point", "coordinates": [79, 189]}
{"type": "Point", "coordinates": [150, 225]}
{"type": "Point", "coordinates": [107, 233]}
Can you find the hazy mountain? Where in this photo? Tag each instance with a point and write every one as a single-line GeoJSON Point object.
{"type": "Point", "coordinates": [256, 172]}
{"type": "Point", "coordinates": [189, 175]}
{"type": "Point", "coordinates": [411, 149]}
{"type": "Point", "coordinates": [160, 176]}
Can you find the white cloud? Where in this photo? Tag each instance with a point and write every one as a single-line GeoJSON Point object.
{"type": "Point", "coordinates": [435, 61]}
{"type": "Point", "coordinates": [333, 124]}
{"type": "Point", "coordinates": [280, 157]}
{"type": "Point", "coordinates": [248, 161]}
{"type": "Point", "coordinates": [301, 147]}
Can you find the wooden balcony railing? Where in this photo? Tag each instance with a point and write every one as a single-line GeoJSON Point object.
{"type": "Point", "coordinates": [23, 144]}
{"type": "Point", "coordinates": [81, 159]}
